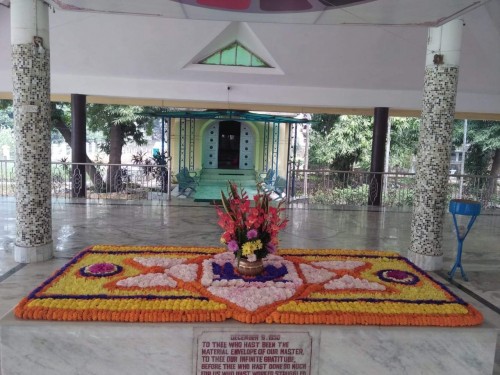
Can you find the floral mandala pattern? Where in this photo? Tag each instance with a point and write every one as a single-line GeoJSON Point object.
{"type": "Point", "coordinates": [170, 270]}
{"type": "Point", "coordinates": [279, 282]}
{"type": "Point", "coordinates": [175, 284]}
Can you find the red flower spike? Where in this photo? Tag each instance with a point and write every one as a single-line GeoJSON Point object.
{"type": "Point", "coordinates": [238, 217]}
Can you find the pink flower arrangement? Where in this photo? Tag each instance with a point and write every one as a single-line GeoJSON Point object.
{"type": "Point", "coordinates": [250, 231]}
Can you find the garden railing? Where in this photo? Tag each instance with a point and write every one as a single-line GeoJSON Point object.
{"type": "Point", "coordinates": [102, 181]}
{"type": "Point", "coordinates": [358, 188]}
{"type": "Point", "coordinates": [323, 186]}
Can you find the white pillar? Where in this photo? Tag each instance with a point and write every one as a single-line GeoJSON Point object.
{"type": "Point", "coordinates": [433, 158]}
{"type": "Point", "coordinates": [31, 102]}
{"type": "Point", "coordinates": [447, 41]}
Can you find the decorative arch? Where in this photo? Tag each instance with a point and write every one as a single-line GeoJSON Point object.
{"type": "Point", "coordinates": [210, 145]}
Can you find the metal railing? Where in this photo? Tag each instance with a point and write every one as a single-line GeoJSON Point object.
{"type": "Point", "coordinates": [102, 181]}
{"type": "Point", "coordinates": [325, 187]}
{"type": "Point", "coordinates": [7, 178]}
{"type": "Point", "coordinates": [358, 188]}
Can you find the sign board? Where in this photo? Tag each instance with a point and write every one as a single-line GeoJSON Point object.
{"type": "Point", "coordinates": [253, 353]}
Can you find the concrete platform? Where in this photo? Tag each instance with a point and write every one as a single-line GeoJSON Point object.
{"type": "Point", "coordinates": [44, 347]}
{"type": "Point", "coordinates": [25, 344]}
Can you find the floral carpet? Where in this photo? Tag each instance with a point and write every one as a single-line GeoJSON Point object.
{"type": "Point", "coordinates": [200, 284]}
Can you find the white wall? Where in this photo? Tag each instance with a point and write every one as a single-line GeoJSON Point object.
{"type": "Point", "coordinates": [326, 66]}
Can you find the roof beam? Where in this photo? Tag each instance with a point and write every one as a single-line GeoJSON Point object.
{"type": "Point", "coordinates": [394, 112]}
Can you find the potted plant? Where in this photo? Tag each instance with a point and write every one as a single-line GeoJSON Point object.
{"type": "Point", "coordinates": [250, 230]}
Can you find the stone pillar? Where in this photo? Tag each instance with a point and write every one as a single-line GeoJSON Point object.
{"type": "Point", "coordinates": [433, 158]}
{"type": "Point", "coordinates": [78, 143]}
{"type": "Point", "coordinates": [31, 102]}
{"type": "Point", "coordinates": [380, 126]}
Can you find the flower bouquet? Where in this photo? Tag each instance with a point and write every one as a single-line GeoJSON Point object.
{"type": "Point", "coordinates": [250, 231]}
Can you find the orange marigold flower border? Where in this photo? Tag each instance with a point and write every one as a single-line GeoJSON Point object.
{"type": "Point", "coordinates": [199, 284]}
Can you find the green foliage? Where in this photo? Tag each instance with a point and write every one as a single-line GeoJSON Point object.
{"type": "Point", "coordinates": [324, 123]}
{"type": "Point", "coordinates": [477, 160]}
{"type": "Point", "coordinates": [154, 165]}
{"type": "Point", "coordinates": [61, 112]}
{"type": "Point", "coordinates": [399, 197]}
{"type": "Point", "coordinates": [100, 120]}
{"type": "Point", "coordinates": [4, 104]}
{"type": "Point", "coordinates": [357, 196]}
{"type": "Point", "coordinates": [6, 114]}
{"type": "Point", "coordinates": [135, 127]}
{"type": "Point", "coordinates": [484, 133]}
{"type": "Point", "coordinates": [343, 144]}
{"type": "Point", "coordinates": [6, 129]}
{"type": "Point", "coordinates": [404, 141]}
{"type": "Point", "coordinates": [483, 138]}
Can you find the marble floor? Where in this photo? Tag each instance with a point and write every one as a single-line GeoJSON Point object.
{"type": "Point", "coordinates": [77, 225]}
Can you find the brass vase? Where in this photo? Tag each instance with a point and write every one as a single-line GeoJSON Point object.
{"type": "Point", "coordinates": [247, 268]}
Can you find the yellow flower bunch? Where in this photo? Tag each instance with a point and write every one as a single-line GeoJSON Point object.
{"type": "Point", "coordinates": [250, 247]}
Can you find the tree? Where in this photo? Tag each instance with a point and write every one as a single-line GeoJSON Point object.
{"type": "Point", "coordinates": [483, 155]}
{"type": "Point", "coordinates": [340, 142]}
{"type": "Point", "coordinates": [4, 104]}
{"type": "Point", "coordinates": [120, 125]}
{"type": "Point", "coordinates": [6, 114]}
{"type": "Point", "coordinates": [323, 123]}
{"type": "Point", "coordinates": [7, 142]}
{"type": "Point", "coordinates": [61, 120]}
{"type": "Point", "coordinates": [404, 140]}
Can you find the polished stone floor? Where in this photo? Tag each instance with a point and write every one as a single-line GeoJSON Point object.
{"type": "Point", "coordinates": [77, 225]}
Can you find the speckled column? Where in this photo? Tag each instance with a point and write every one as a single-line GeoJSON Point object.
{"type": "Point", "coordinates": [433, 158]}
{"type": "Point", "coordinates": [31, 101]}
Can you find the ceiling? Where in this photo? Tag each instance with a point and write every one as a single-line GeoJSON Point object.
{"type": "Point", "coordinates": [371, 54]}
{"type": "Point", "coordinates": [319, 12]}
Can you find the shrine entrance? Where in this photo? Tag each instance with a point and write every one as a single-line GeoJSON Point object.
{"type": "Point", "coordinates": [229, 145]}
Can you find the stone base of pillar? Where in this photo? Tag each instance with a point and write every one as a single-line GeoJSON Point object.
{"type": "Point", "coordinates": [426, 262]}
{"type": "Point", "coordinates": [33, 254]}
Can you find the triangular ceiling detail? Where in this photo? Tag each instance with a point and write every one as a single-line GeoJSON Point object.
{"type": "Point", "coordinates": [241, 33]}
{"type": "Point", "coordinates": [235, 54]}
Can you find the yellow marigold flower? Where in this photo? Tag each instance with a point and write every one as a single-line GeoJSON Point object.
{"type": "Point", "coordinates": [250, 247]}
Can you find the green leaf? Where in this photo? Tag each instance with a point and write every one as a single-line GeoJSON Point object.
{"type": "Point", "coordinates": [227, 205]}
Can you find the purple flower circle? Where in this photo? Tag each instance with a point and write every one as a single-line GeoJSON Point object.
{"type": "Point", "coordinates": [100, 270]}
{"type": "Point", "coordinates": [398, 276]}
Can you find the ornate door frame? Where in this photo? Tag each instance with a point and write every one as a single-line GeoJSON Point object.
{"type": "Point", "coordinates": [210, 146]}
